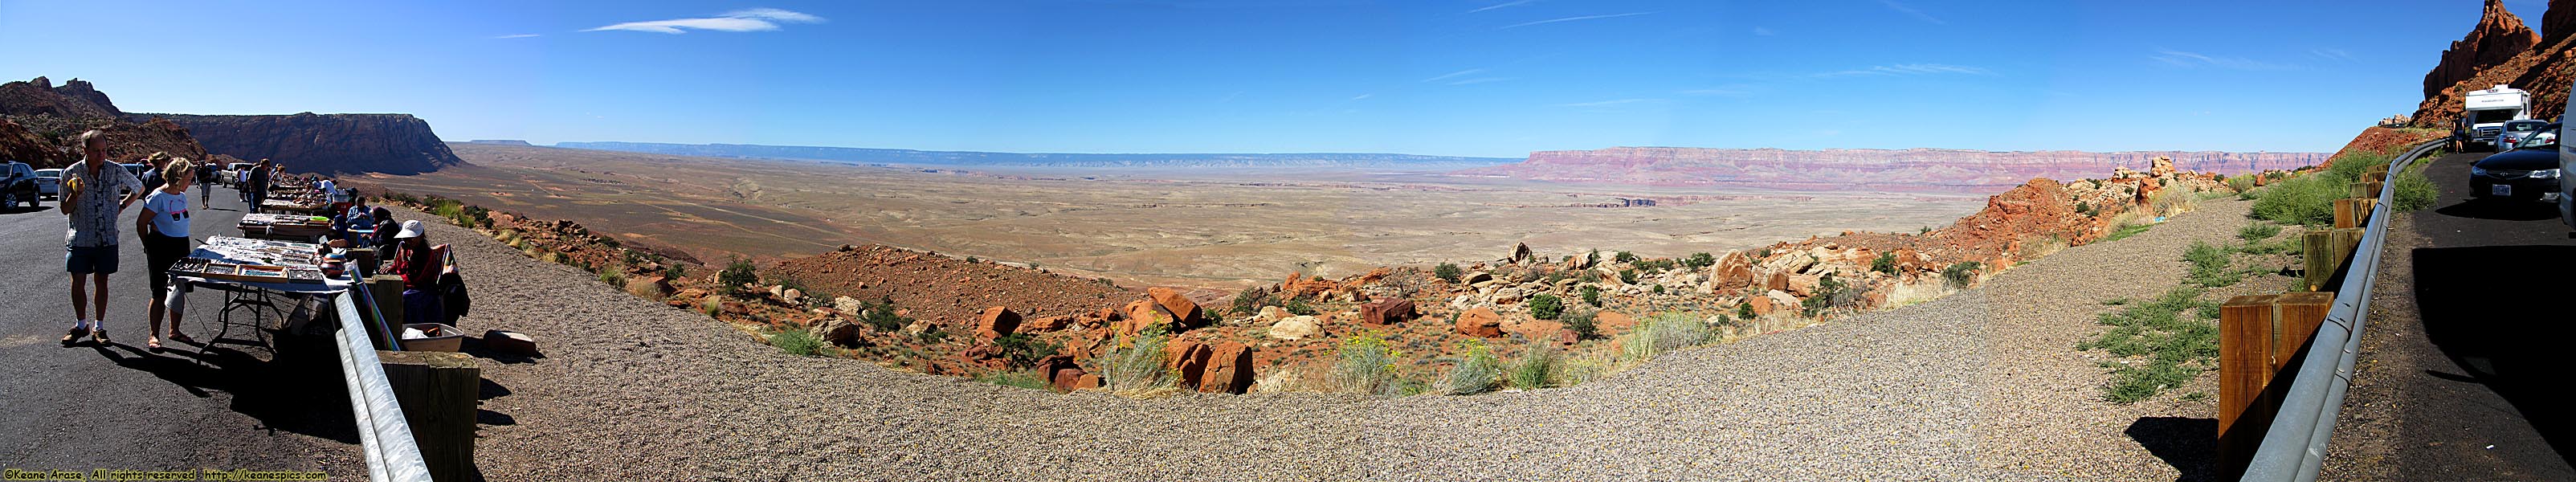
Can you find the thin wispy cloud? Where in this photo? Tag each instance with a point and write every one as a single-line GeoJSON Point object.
{"type": "Point", "coordinates": [750, 20]}
{"type": "Point", "coordinates": [1606, 103]}
{"type": "Point", "coordinates": [2191, 60]}
{"type": "Point", "coordinates": [2331, 54]}
{"type": "Point", "coordinates": [1362, 96]}
{"type": "Point", "coordinates": [1514, 3]}
{"type": "Point", "coordinates": [1453, 75]}
{"type": "Point", "coordinates": [1762, 31]}
{"type": "Point", "coordinates": [1909, 69]}
{"type": "Point", "coordinates": [1573, 19]}
{"type": "Point", "coordinates": [515, 35]}
{"type": "Point", "coordinates": [1909, 10]}
{"type": "Point", "coordinates": [1480, 80]}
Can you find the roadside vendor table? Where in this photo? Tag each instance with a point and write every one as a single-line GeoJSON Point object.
{"type": "Point", "coordinates": [252, 305]}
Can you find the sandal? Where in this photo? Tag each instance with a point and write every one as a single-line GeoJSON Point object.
{"type": "Point", "coordinates": [153, 344]}
{"type": "Point", "coordinates": [101, 336]}
{"type": "Point", "coordinates": [74, 336]}
{"type": "Point", "coordinates": [182, 338]}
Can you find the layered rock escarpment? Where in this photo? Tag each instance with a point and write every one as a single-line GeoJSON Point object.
{"type": "Point", "coordinates": [325, 143]}
{"type": "Point", "coordinates": [2500, 50]}
{"type": "Point", "coordinates": [1941, 170]}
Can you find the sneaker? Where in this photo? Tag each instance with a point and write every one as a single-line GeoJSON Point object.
{"type": "Point", "coordinates": [79, 329]}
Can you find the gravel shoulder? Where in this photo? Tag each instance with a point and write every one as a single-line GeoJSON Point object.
{"type": "Point", "coordinates": [633, 389]}
{"type": "Point", "coordinates": [2042, 408]}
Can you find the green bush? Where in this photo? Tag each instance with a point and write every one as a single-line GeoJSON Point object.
{"type": "Point", "coordinates": [2307, 200]}
{"type": "Point", "coordinates": [1546, 307]}
{"type": "Point", "coordinates": [613, 278]}
{"type": "Point", "coordinates": [2258, 231]}
{"type": "Point", "coordinates": [2242, 184]}
{"type": "Point", "coordinates": [1447, 272]}
{"type": "Point", "coordinates": [1744, 311]}
{"type": "Point", "coordinates": [1250, 300]}
{"type": "Point", "coordinates": [1628, 276]}
{"type": "Point", "coordinates": [1962, 274]}
{"type": "Point", "coordinates": [1700, 260]}
{"type": "Point", "coordinates": [796, 343]}
{"type": "Point", "coordinates": [1591, 295]}
{"type": "Point", "coordinates": [2084, 208]}
{"type": "Point", "coordinates": [1663, 333]}
{"type": "Point", "coordinates": [1298, 306]}
{"type": "Point", "coordinates": [1625, 257]}
{"type": "Point", "coordinates": [2210, 265]}
{"type": "Point", "coordinates": [1138, 365]}
{"type": "Point", "coordinates": [879, 315]}
{"type": "Point", "coordinates": [737, 277]}
{"type": "Point", "coordinates": [1531, 370]}
{"type": "Point", "coordinates": [1477, 372]}
{"type": "Point", "coordinates": [1584, 321]}
{"type": "Point", "coordinates": [2414, 191]}
{"type": "Point", "coordinates": [1830, 293]}
{"type": "Point", "coordinates": [1365, 365]}
{"type": "Point", "coordinates": [1886, 263]}
{"type": "Point", "coordinates": [2176, 348]}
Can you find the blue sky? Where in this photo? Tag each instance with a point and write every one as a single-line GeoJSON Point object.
{"type": "Point", "coordinates": [1476, 77]}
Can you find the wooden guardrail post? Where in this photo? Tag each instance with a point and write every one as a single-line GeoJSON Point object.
{"type": "Point", "coordinates": [2324, 250]}
{"type": "Point", "coordinates": [439, 392]}
{"type": "Point", "coordinates": [2353, 212]}
{"type": "Point", "coordinates": [2244, 369]}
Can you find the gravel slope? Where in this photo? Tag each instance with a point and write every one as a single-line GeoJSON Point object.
{"type": "Point", "coordinates": [2043, 398]}
{"type": "Point", "coordinates": [634, 389]}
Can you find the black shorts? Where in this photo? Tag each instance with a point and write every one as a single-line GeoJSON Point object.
{"type": "Point", "coordinates": [159, 252]}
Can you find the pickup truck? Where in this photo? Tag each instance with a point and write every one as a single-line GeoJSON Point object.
{"type": "Point", "coordinates": [233, 172]}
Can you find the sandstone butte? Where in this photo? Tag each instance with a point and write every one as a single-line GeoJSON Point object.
{"type": "Point", "coordinates": [2501, 50]}
{"type": "Point", "coordinates": [41, 117]}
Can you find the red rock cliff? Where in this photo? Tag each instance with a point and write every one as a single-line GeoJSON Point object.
{"type": "Point", "coordinates": [2498, 37]}
{"type": "Point", "coordinates": [2539, 69]}
{"type": "Point", "coordinates": [326, 143]}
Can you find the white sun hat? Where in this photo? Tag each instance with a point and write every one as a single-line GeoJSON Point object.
{"type": "Point", "coordinates": [411, 229]}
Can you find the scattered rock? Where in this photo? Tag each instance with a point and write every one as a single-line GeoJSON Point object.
{"type": "Point", "coordinates": [1387, 312]}
{"type": "Point", "coordinates": [837, 331]}
{"type": "Point", "coordinates": [995, 322]}
{"type": "Point", "coordinates": [510, 342]}
{"type": "Point", "coordinates": [1480, 322]}
{"type": "Point", "coordinates": [1295, 328]}
{"type": "Point", "coordinates": [1229, 369]}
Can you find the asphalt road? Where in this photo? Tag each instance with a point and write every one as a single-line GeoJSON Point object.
{"type": "Point", "coordinates": [2467, 380]}
{"type": "Point", "coordinates": [241, 405]}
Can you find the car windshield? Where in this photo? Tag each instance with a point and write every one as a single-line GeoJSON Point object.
{"type": "Point", "coordinates": [2522, 126]}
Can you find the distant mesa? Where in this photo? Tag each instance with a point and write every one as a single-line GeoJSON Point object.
{"type": "Point", "coordinates": [499, 142]}
{"type": "Point", "coordinates": [1907, 170]}
{"type": "Point", "coordinates": [1005, 159]}
{"type": "Point", "coordinates": [43, 120]}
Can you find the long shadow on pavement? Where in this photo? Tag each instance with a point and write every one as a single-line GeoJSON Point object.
{"type": "Point", "coordinates": [2500, 210]}
{"type": "Point", "coordinates": [2189, 444]}
{"type": "Point", "coordinates": [2499, 313]}
{"type": "Point", "coordinates": [300, 391]}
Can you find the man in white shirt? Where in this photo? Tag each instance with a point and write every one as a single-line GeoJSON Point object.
{"type": "Point", "coordinates": [103, 189]}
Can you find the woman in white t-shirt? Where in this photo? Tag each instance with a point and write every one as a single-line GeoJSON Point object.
{"type": "Point", "coordinates": [163, 225]}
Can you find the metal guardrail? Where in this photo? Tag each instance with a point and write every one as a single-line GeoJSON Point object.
{"type": "Point", "coordinates": [2294, 447]}
{"type": "Point", "coordinates": [384, 434]}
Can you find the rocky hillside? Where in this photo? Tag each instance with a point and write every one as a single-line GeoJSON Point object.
{"type": "Point", "coordinates": [325, 143]}
{"type": "Point", "coordinates": [1935, 170]}
{"type": "Point", "coordinates": [2500, 49]}
{"type": "Point", "coordinates": [39, 122]}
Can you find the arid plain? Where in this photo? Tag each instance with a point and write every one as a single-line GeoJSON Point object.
{"type": "Point", "coordinates": [1185, 227]}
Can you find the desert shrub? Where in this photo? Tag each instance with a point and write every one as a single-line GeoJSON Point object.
{"type": "Point", "coordinates": [2128, 223]}
{"type": "Point", "coordinates": [2307, 200]}
{"type": "Point", "coordinates": [2414, 191]}
{"type": "Point", "coordinates": [1531, 370]}
{"type": "Point", "coordinates": [1961, 274]}
{"type": "Point", "coordinates": [1592, 258]}
{"type": "Point", "coordinates": [1448, 272]}
{"type": "Point", "coordinates": [1659, 289]}
{"type": "Point", "coordinates": [1365, 365]}
{"type": "Point", "coordinates": [1886, 263]}
{"type": "Point", "coordinates": [796, 343]}
{"type": "Point", "coordinates": [2084, 208]}
{"type": "Point", "coordinates": [2258, 231]}
{"type": "Point", "coordinates": [1657, 265]}
{"type": "Point", "coordinates": [1249, 300]}
{"type": "Point", "coordinates": [2241, 184]}
{"type": "Point", "coordinates": [2170, 201]}
{"type": "Point", "coordinates": [1016, 378]}
{"type": "Point", "coordinates": [1477, 372]}
{"type": "Point", "coordinates": [1625, 257]}
{"type": "Point", "coordinates": [879, 315]}
{"type": "Point", "coordinates": [1298, 306]}
{"type": "Point", "coordinates": [2176, 348]}
{"type": "Point", "coordinates": [2210, 265]}
{"type": "Point", "coordinates": [930, 334]}
{"type": "Point", "coordinates": [1700, 260]}
{"type": "Point", "coordinates": [1628, 276]}
{"type": "Point", "coordinates": [1591, 295]}
{"type": "Point", "coordinates": [1546, 307]}
{"type": "Point", "coordinates": [737, 277]}
{"type": "Point", "coordinates": [675, 271]}
{"type": "Point", "coordinates": [1830, 294]}
{"type": "Point", "coordinates": [1022, 350]}
{"type": "Point", "coordinates": [1138, 365]}
{"type": "Point", "coordinates": [2043, 246]}
{"type": "Point", "coordinates": [1663, 333]}
{"type": "Point", "coordinates": [612, 278]}
{"type": "Point", "coordinates": [1744, 311]}
{"type": "Point", "coordinates": [1584, 321]}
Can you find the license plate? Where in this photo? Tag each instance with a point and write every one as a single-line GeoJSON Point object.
{"type": "Point", "coordinates": [2503, 189]}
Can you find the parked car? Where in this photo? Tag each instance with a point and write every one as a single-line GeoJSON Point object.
{"type": "Point", "coordinates": [49, 182]}
{"type": "Point", "coordinates": [2515, 131]}
{"type": "Point", "coordinates": [18, 185]}
{"type": "Point", "coordinates": [233, 172]}
{"type": "Point", "coordinates": [2529, 172]}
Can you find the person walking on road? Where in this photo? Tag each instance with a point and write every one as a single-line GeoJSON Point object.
{"type": "Point", "coordinates": [206, 184]}
{"type": "Point", "coordinates": [258, 188]}
{"type": "Point", "coordinates": [163, 226]}
{"type": "Point", "coordinates": [91, 203]}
